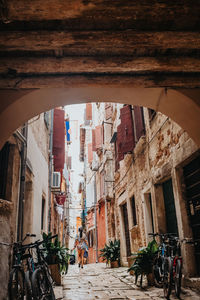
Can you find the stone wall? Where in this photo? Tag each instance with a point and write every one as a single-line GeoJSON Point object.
{"type": "Point", "coordinates": [157, 157]}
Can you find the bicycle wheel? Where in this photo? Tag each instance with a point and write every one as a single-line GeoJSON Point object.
{"type": "Point", "coordinates": [27, 285]}
{"type": "Point", "coordinates": [177, 278]}
{"type": "Point", "coordinates": [16, 289]}
{"type": "Point", "coordinates": [41, 286]}
{"type": "Point", "coordinates": [167, 279]}
{"type": "Point", "coordinates": [156, 273]}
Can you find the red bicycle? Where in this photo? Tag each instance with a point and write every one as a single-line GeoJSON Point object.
{"type": "Point", "coordinates": [175, 262]}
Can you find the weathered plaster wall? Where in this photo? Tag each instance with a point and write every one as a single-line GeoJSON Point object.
{"type": "Point", "coordinates": [8, 216]}
{"type": "Point", "coordinates": [37, 153]}
{"type": "Point", "coordinates": [157, 157]}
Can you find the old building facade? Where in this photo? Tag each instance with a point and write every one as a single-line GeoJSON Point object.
{"type": "Point", "coordinates": [146, 176]}
{"type": "Point", "coordinates": [24, 161]}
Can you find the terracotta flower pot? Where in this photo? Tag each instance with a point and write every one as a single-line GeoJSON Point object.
{"type": "Point", "coordinates": [55, 273]}
{"type": "Point", "coordinates": [130, 262]}
{"type": "Point", "coordinates": [150, 279]}
{"type": "Point", "coordinates": [114, 264]}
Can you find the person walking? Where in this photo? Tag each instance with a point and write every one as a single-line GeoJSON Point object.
{"type": "Point", "coordinates": [81, 245]}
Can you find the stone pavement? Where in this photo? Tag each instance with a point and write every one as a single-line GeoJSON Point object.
{"type": "Point", "coordinates": [96, 281]}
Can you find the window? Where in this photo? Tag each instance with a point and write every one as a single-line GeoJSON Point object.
{"type": "Point", "coordinates": [101, 184]}
{"type": "Point", "coordinates": [152, 114]}
{"type": "Point", "coordinates": [4, 160]}
{"type": "Point", "coordinates": [138, 122]}
{"type": "Point", "coordinates": [90, 239]}
{"type": "Point", "coordinates": [133, 211]}
{"type": "Point", "coordinates": [42, 214]}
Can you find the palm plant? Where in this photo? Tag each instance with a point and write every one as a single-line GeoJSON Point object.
{"type": "Point", "coordinates": [143, 260]}
{"type": "Point", "coordinates": [55, 253]}
{"type": "Point", "coordinates": [111, 252]}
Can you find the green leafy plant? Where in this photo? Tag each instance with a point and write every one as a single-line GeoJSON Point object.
{"type": "Point", "coordinates": [143, 260]}
{"type": "Point", "coordinates": [111, 252]}
{"type": "Point", "coordinates": [55, 253]}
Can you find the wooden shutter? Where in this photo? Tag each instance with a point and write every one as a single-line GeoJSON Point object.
{"type": "Point", "coordinates": [127, 131]}
{"type": "Point", "coordinates": [90, 153]}
{"type": "Point", "coordinates": [120, 154]}
{"type": "Point", "coordinates": [108, 110]}
{"type": "Point", "coordinates": [94, 148]}
{"type": "Point", "coordinates": [59, 139]}
{"type": "Point", "coordinates": [139, 122]}
{"type": "Point", "coordinates": [98, 137]}
{"type": "Point", "coordinates": [82, 142]}
{"type": "Point", "coordinates": [89, 111]}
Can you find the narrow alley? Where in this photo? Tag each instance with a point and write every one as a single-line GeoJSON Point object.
{"type": "Point", "coordinates": [96, 281]}
{"type": "Point", "coordinates": [99, 149]}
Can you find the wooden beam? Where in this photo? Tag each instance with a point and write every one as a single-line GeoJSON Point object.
{"type": "Point", "coordinates": [98, 14]}
{"type": "Point", "coordinates": [86, 80]}
{"type": "Point", "coordinates": [98, 43]}
{"type": "Point", "coordinates": [75, 65]}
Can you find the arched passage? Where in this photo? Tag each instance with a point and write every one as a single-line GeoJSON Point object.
{"type": "Point", "coordinates": [19, 106]}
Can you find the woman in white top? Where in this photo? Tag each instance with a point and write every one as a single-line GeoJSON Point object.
{"type": "Point", "coordinates": [81, 244]}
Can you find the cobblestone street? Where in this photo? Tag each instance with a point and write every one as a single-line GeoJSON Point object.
{"type": "Point", "coordinates": [96, 281]}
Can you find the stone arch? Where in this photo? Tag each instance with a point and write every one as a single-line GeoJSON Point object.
{"type": "Point", "coordinates": [21, 106]}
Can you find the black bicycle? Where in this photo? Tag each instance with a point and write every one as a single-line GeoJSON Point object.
{"type": "Point", "coordinates": [42, 283]}
{"type": "Point", "coordinates": [19, 285]}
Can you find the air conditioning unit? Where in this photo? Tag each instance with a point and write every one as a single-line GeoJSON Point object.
{"type": "Point", "coordinates": [56, 180]}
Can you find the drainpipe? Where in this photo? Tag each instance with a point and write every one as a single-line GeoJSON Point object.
{"type": "Point", "coordinates": [95, 218]}
{"type": "Point", "coordinates": [50, 168]}
{"type": "Point", "coordinates": [23, 155]}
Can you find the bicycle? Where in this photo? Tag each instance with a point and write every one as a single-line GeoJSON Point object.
{"type": "Point", "coordinates": [18, 285]}
{"type": "Point", "coordinates": [161, 262]}
{"type": "Point", "coordinates": [176, 264]}
{"type": "Point", "coordinates": [41, 278]}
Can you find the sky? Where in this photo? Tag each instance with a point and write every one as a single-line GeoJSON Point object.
{"type": "Point", "coordinates": [76, 117]}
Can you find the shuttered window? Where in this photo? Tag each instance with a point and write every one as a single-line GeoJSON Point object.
{"type": "Point", "coordinates": [59, 139]}
{"type": "Point", "coordinates": [139, 122]}
{"type": "Point", "coordinates": [89, 111]}
{"type": "Point", "coordinates": [94, 148]}
{"type": "Point", "coordinates": [82, 142]}
{"type": "Point", "coordinates": [133, 211]}
{"type": "Point", "coordinates": [119, 149]}
{"type": "Point", "coordinates": [99, 137]}
{"type": "Point", "coordinates": [4, 159]}
{"type": "Point", "coordinates": [90, 153]}
{"type": "Point", "coordinates": [127, 130]}
{"type": "Point", "coordinates": [101, 184]}
{"type": "Point", "coordinates": [108, 110]}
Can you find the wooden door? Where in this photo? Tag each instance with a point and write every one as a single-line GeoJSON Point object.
{"type": "Point", "coordinates": [126, 229]}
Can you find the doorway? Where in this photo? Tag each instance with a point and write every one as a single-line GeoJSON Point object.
{"type": "Point", "coordinates": [126, 229]}
{"type": "Point", "coordinates": [170, 211]}
{"type": "Point", "coordinates": [148, 216]}
{"type": "Point", "coordinates": [191, 174]}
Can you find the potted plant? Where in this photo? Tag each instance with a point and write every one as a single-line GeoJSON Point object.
{"type": "Point", "coordinates": [111, 253]}
{"type": "Point", "coordinates": [143, 262]}
{"type": "Point", "coordinates": [56, 256]}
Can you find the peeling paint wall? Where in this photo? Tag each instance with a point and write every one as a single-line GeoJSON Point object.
{"type": "Point", "coordinates": [157, 157]}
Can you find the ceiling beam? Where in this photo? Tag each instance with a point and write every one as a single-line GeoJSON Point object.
{"type": "Point", "coordinates": [29, 66]}
{"type": "Point", "coordinates": [94, 79]}
{"type": "Point", "coordinates": [101, 14]}
{"type": "Point", "coordinates": [105, 43]}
